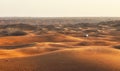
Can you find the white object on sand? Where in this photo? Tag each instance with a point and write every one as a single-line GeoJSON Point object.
{"type": "Point", "coordinates": [86, 35]}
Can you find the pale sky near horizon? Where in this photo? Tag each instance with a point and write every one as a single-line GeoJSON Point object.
{"type": "Point", "coordinates": [59, 8]}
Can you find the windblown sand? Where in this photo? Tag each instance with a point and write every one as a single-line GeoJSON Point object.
{"type": "Point", "coordinates": [58, 53]}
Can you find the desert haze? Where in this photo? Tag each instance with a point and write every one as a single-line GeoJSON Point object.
{"type": "Point", "coordinates": [60, 44]}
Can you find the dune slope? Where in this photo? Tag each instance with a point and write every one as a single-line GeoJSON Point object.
{"type": "Point", "coordinates": [78, 59]}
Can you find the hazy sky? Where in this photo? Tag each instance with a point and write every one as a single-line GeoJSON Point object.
{"type": "Point", "coordinates": [60, 8]}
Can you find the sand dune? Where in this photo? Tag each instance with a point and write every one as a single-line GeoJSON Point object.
{"type": "Point", "coordinates": [23, 51]}
{"type": "Point", "coordinates": [67, 47]}
{"type": "Point", "coordinates": [10, 54]}
{"type": "Point", "coordinates": [58, 52]}
{"type": "Point", "coordinates": [78, 59]}
{"type": "Point", "coordinates": [95, 43]}
{"type": "Point", "coordinates": [21, 40]}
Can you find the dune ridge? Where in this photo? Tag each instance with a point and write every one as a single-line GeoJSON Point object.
{"type": "Point", "coordinates": [77, 59]}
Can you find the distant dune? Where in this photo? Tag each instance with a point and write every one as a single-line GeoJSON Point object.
{"type": "Point", "coordinates": [53, 49]}
{"type": "Point", "coordinates": [40, 48]}
{"type": "Point", "coordinates": [11, 40]}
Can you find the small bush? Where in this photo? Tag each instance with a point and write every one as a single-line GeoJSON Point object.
{"type": "Point", "coordinates": [117, 46]}
{"type": "Point", "coordinates": [84, 43]}
{"type": "Point", "coordinates": [6, 32]}
{"type": "Point", "coordinates": [18, 33]}
{"type": "Point", "coordinates": [3, 32]}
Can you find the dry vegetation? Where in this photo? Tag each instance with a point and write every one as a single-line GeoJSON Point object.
{"type": "Point", "coordinates": [59, 44]}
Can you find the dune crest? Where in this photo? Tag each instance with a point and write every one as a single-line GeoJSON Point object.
{"type": "Point", "coordinates": [77, 59]}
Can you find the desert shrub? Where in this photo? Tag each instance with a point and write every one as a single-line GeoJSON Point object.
{"type": "Point", "coordinates": [117, 46]}
{"type": "Point", "coordinates": [13, 32]}
{"type": "Point", "coordinates": [3, 32]}
{"type": "Point", "coordinates": [90, 30]}
{"type": "Point", "coordinates": [116, 38]}
{"type": "Point", "coordinates": [118, 29]}
{"type": "Point", "coordinates": [116, 24]}
{"type": "Point", "coordinates": [84, 43]}
{"type": "Point", "coordinates": [101, 43]}
{"type": "Point", "coordinates": [17, 33]}
{"type": "Point", "coordinates": [19, 26]}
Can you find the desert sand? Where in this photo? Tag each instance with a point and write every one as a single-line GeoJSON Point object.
{"type": "Point", "coordinates": [58, 52]}
{"type": "Point", "coordinates": [60, 47]}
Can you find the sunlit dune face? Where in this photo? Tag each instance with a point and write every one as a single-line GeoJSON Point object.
{"type": "Point", "coordinates": [85, 59]}
{"type": "Point", "coordinates": [100, 57]}
{"type": "Point", "coordinates": [22, 40]}
{"type": "Point", "coordinates": [59, 52]}
{"type": "Point", "coordinates": [30, 45]}
{"type": "Point", "coordinates": [12, 40]}
{"type": "Point", "coordinates": [39, 48]}
{"type": "Point", "coordinates": [10, 54]}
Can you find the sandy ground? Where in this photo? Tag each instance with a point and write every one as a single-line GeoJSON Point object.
{"type": "Point", "coordinates": [58, 52]}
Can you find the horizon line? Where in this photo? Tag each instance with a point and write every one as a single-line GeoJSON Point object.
{"type": "Point", "coordinates": [59, 16]}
